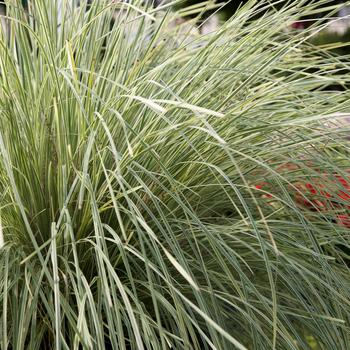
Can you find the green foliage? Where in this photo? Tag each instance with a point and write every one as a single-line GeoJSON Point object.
{"type": "Point", "coordinates": [339, 43]}
{"type": "Point", "coordinates": [129, 158]}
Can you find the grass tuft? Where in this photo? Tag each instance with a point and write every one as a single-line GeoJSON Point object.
{"type": "Point", "coordinates": [132, 157]}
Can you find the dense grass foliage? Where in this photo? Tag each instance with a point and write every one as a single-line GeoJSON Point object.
{"type": "Point", "coordinates": [131, 157]}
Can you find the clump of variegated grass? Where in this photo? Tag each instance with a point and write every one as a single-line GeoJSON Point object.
{"type": "Point", "coordinates": [130, 156]}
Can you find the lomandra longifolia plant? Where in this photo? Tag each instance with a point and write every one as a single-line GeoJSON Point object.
{"type": "Point", "coordinates": [155, 183]}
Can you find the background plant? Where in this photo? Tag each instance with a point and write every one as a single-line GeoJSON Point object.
{"type": "Point", "coordinates": [130, 154]}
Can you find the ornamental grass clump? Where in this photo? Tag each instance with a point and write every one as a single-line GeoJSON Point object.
{"type": "Point", "coordinates": [131, 153]}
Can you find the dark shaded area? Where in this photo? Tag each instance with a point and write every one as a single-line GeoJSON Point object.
{"type": "Point", "coordinates": [232, 6]}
